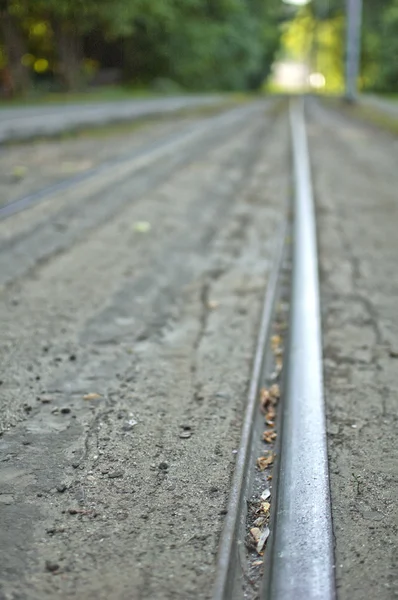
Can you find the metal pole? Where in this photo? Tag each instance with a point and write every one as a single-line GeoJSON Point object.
{"type": "Point", "coordinates": [353, 48]}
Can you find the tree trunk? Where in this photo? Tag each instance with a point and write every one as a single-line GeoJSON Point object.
{"type": "Point", "coordinates": [18, 78]}
{"type": "Point", "coordinates": [69, 50]}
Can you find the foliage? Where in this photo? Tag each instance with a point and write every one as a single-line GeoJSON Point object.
{"type": "Point", "coordinates": [200, 44]}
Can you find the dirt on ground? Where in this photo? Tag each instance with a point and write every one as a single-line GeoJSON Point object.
{"type": "Point", "coordinates": [356, 182]}
{"type": "Point", "coordinates": [126, 349]}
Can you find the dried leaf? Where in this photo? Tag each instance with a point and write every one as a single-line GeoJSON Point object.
{"type": "Point", "coordinates": [276, 342]}
{"type": "Point", "coordinates": [263, 462]}
{"type": "Point", "coordinates": [255, 533]}
{"type": "Point", "coordinates": [264, 399]}
{"type": "Point", "coordinates": [257, 563]}
{"type": "Point", "coordinates": [263, 538]}
{"type": "Point", "coordinates": [92, 396]}
{"type": "Point", "coordinates": [271, 414]}
{"type": "Point", "coordinates": [265, 506]}
{"type": "Point", "coordinates": [275, 391]}
{"type": "Point", "coordinates": [269, 436]}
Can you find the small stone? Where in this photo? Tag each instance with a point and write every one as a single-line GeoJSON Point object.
{"type": "Point", "coordinates": [65, 410]}
{"type": "Point", "coordinates": [163, 466]}
{"type": "Point", "coordinates": [72, 357]}
{"type": "Point", "coordinates": [61, 488]}
{"type": "Point", "coordinates": [51, 566]}
{"type": "Point", "coordinates": [115, 474]}
{"type": "Point", "coordinates": [45, 400]}
{"type": "Point", "coordinates": [185, 434]}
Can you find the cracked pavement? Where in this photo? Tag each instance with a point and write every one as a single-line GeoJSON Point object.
{"type": "Point", "coordinates": [123, 494]}
{"type": "Point", "coordinates": [127, 349]}
{"type": "Point", "coordinates": [356, 179]}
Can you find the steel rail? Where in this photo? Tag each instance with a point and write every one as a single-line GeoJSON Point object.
{"type": "Point", "coordinates": [299, 559]}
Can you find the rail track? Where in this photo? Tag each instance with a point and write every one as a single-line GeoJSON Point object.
{"type": "Point", "coordinates": [115, 170]}
{"type": "Point", "coordinates": [140, 319]}
{"type": "Point", "coordinates": [278, 542]}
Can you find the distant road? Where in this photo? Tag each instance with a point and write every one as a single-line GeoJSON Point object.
{"type": "Point", "coordinates": [389, 107]}
{"type": "Point", "coordinates": [27, 122]}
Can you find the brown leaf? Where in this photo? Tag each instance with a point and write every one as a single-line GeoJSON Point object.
{"type": "Point", "coordinates": [276, 342]}
{"type": "Point", "coordinates": [263, 462]}
{"type": "Point", "coordinates": [255, 533]}
{"type": "Point", "coordinates": [262, 539]}
{"type": "Point", "coordinates": [92, 396]}
{"type": "Point", "coordinates": [275, 391]}
{"type": "Point", "coordinates": [269, 436]}
{"type": "Point", "coordinates": [271, 413]}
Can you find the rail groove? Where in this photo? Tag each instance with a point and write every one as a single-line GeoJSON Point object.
{"type": "Point", "coordinates": [298, 561]}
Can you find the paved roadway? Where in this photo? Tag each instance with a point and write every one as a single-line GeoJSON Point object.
{"type": "Point", "coordinates": [129, 315]}
{"type": "Point", "coordinates": [26, 122]}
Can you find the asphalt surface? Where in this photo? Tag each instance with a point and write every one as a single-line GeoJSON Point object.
{"type": "Point", "coordinates": [389, 107]}
{"type": "Point", "coordinates": [129, 318]}
{"type": "Point", "coordinates": [41, 121]}
{"type": "Point", "coordinates": [356, 180]}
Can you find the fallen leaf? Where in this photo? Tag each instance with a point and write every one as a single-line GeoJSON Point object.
{"type": "Point", "coordinates": [92, 396]}
{"type": "Point", "coordinates": [269, 436]}
{"type": "Point", "coordinates": [263, 462]}
{"type": "Point", "coordinates": [257, 563]}
{"type": "Point", "coordinates": [275, 391]}
{"type": "Point", "coordinates": [271, 413]}
{"type": "Point", "coordinates": [255, 533]}
{"type": "Point", "coordinates": [260, 521]}
{"type": "Point", "coordinates": [262, 539]}
{"type": "Point", "coordinates": [142, 226]}
{"type": "Point", "coordinates": [265, 506]}
{"type": "Point", "coordinates": [266, 494]}
{"type": "Point", "coordinates": [276, 342]}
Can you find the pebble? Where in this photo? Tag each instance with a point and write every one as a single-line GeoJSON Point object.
{"type": "Point", "coordinates": [51, 566]}
{"type": "Point", "coordinates": [163, 466]}
{"type": "Point", "coordinates": [185, 434]}
{"type": "Point", "coordinates": [61, 488]}
{"type": "Point", "coordinates": [115, 474]}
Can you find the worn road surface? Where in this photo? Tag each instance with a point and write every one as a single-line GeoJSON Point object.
{"type": "Point", "coordinates": [130, 306]}
{"type": "Point", "coordinates": [19, 123]}
{"type": "Point", "coordinates": [356, 182]}
{"type": "Point", "coordinates": [145, 294]}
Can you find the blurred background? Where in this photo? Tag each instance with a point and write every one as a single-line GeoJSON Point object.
{"type": "Point", "coordinates": [115, 48]}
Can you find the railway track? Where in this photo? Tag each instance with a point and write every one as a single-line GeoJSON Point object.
{"type": "Point", "coordinates": [122, 455]}
{"type": "Point", "coordinates": [115, 170]}
{"type": "Point", "coordinates": [278, 541]}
